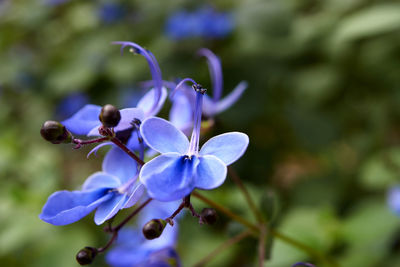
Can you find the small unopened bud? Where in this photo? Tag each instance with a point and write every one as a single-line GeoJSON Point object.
{"type": "Point", "coordinates": [208, 216]}
{"type": "Point", "coordinates": [86, 255]}
{"type": "Point", "coordinates": [55, 132]}
{"type": "Point", "coordinates": [109, 116]}
{"type": "Point", "coordinates": [154, 228]}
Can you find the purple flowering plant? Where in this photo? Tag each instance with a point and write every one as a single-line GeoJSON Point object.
{"type": "Point", "coordinates": [153, 168]}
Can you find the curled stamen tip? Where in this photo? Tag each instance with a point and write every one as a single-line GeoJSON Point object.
{"type": "Point", "coordinates": [198, 88]}
{"type": "Point", "coordinates": [133, 50]}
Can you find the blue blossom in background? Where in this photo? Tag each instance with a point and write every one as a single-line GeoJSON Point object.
{"type": "Point", "coordinates": [181, 113]}
{"type": "Point", "coordinates": [115, 188]}
{"type": "Point", "coordinates": [182, 167]}
{"type": "Point", "coordinates": [393, 199]}
{"type": "Point", "coordinates": [111, 12]}
{"type": "Point", "coordinates": [133, 250]}
{"type": "Point", "coordinates": [71, 104]}
{"type": "Point", "coordinates": [204, 23]}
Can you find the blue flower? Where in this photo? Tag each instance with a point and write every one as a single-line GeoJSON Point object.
{"type": "Point", "coordinates": [182, 167]}
{"type": "Point", "coordinates": [393, 199]}
{"type": "Point", "coordinates": [181, 113]}
{"type": "Point", "coordinates": [115, 188]}
{"type": "Point", "coordinates": [71, 104]}
{"type": "Point", "coordinates": [133, 250]}
{"type": "Point", "coordinates": [111, 12]}
{"type": "Point", "coordinates": [204, 22]}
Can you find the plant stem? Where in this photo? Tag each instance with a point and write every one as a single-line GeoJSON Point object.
{"type": "Point", "coordinates": [255, 230]}
{"type": "Point", "coordinates": [127, 219]}
{"type": "Point", "coordinates": [236, 179]}
{"type": "Point", "coordinates": [227, 212]}
{"type": "Point", "coordinates": [222, 247]}
{"type": "Point", "coordinates": [261, 245]}
{"type": "Point", "coordinates": [127, 150]}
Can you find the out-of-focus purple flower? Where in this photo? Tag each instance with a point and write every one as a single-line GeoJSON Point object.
{"type": "Point", "coordinates": [55, 2]}
{"type": "Point", "coordinates": [111, 12]}
{"type": "Point", "coordinates": [205, 22]}
{"type": "Point", "coordinates": [115, 188]}
{"type": "Point", "coordinates": [133, 250]}
{"type": "Point", "coordinates": [181, 114]}
{"type": "Point", "coordinates": [303, 264]}
{"type": "Point", "coordinates": [71, 104]}
{"type": "Point", "coordinates": [393, 199]}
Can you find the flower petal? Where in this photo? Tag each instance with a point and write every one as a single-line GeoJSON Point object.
{"type": "Point", "coordinates": [147, 101]}
{"type": "Point", "coordinates": [100, 180]}
{"type": "Point", "coordinates": [119, 164]}
{"type": "Point", "coordinates": [65, 207]}
{"type": "Point", "coordinates": [228, 147]}
{"type": "Point", "coordinates": [96, 148]}
{"type": "Point", "coordinates": [211, 108]}
{"type": "Point", "coordinates": [181, 113]}
{"type": "Point", "coordinates": [127, 116]}
{"type": "Point", "coordinates": [169, 176]}
{"type": "Point", "coordinates": [108, 209]}
{"type": "Point", "coordinates": [210, 173]}
{"type": "Point", "coordinates": [163, 137]}
{"type": "Point", "coordinates": [84, 120]}
{"type": "Point", "coordinates": [135, 194]}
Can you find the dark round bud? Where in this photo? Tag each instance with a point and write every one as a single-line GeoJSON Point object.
{"type": "Point", "coordinates": [109, 116]}
{"type": "Point", "coordinates": [154, 228]}
{"type": "Point", "coordinates": [86, 255]}
{"type": "Point", "coordinates": [55, 132]}
{"type": "Point", "coordinates": [209, 215]}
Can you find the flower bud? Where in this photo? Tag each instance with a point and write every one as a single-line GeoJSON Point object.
{"type": "Point", "coordinates": [55, 132]}
{"type": "Point", "coordinates": [86, 255]}
{"type": "Point", "coordinates": [208, 216]}
{"type": "Point", "coordinates": [154, 228]}
{"type": "Point", "coordinates": [109, 116]}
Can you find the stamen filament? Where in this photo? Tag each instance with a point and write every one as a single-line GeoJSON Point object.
{"type": "Point", "coordinates": [215, 69]}
{"type": "Point", "coordinates": [153, 65]}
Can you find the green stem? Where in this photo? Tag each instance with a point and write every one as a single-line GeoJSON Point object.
{"type": "Point", "coordinates": [255, 230]}
{"type": "Point", "coordinates": [236, 179]}
{"type": "Point", "coordinates": [222, 247]}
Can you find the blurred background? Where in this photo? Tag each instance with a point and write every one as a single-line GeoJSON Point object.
{"type": "Point", "coordinates": [322, 112]}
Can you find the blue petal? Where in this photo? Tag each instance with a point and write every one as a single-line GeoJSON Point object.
{"type": "Point", "coordinates": [119, 164]}
{"type": "Point", "coordinates": [126, 256]}
{"type": "Point", "coordinates": [181, 113]}
{"type": "Point", "coordinates": [210, 173]}
{"type": "Point", "coordinates": [127, 116]}
{"type": "Point", "coordinates": [228, 147]}
{"type": "Point", "coordinates": [100, 180]}
{"type": "Point", "coordinates": [393, 199]}
{"type": "Point", "coordinates": [163, 137]}
{"type": "Point", "coordinates": [169, 176]}
{"type": "Point", "coordinates": [211, 108]}
{"type": "Point", "coordinates": [108, 209]}
{"type": "Point", "coordinates": [84, 120]}
{"type": "Point", "coordinates": [135, 194]}
{"type": "Point", "coordinates": [65, 207]}
{"type": "Point", "coordinates": [147, 101]}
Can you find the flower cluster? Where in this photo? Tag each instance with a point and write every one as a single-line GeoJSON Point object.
{"type": "Point", "coordinates": [152, 164]}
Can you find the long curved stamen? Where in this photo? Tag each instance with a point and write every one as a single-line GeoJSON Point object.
{"type": "Point", "coordinates": [153, 65]}
{"type": "Point", "coordinates": [214, 66]}
{"type": "Point", "coordinates": [194, 140]}
{"type": "Point", "coordinates": [180, 84]}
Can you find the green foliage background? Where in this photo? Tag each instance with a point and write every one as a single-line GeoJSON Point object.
{"type": "Point", "coordinates": [322, 112]}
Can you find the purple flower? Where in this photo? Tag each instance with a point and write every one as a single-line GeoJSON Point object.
{"type": "Point", "coordinates": [182, 167]}
{"type": "Point", "coordinates": [303, 264]}
{"type": "Point", "coordinates": [115, 188]}
{"type": "Point", "coordinates": [71, 104]}
{"type": "Point", "coordinates": [393, 199]}
{"type": "Point", "coordinates": [111, 12]}
{"type": "Point", "coordinates": [133, 250]}
{"type": "Point", "coordinates": [181, 114]}
{"type": "Point", "coordinates": [204, 22]}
